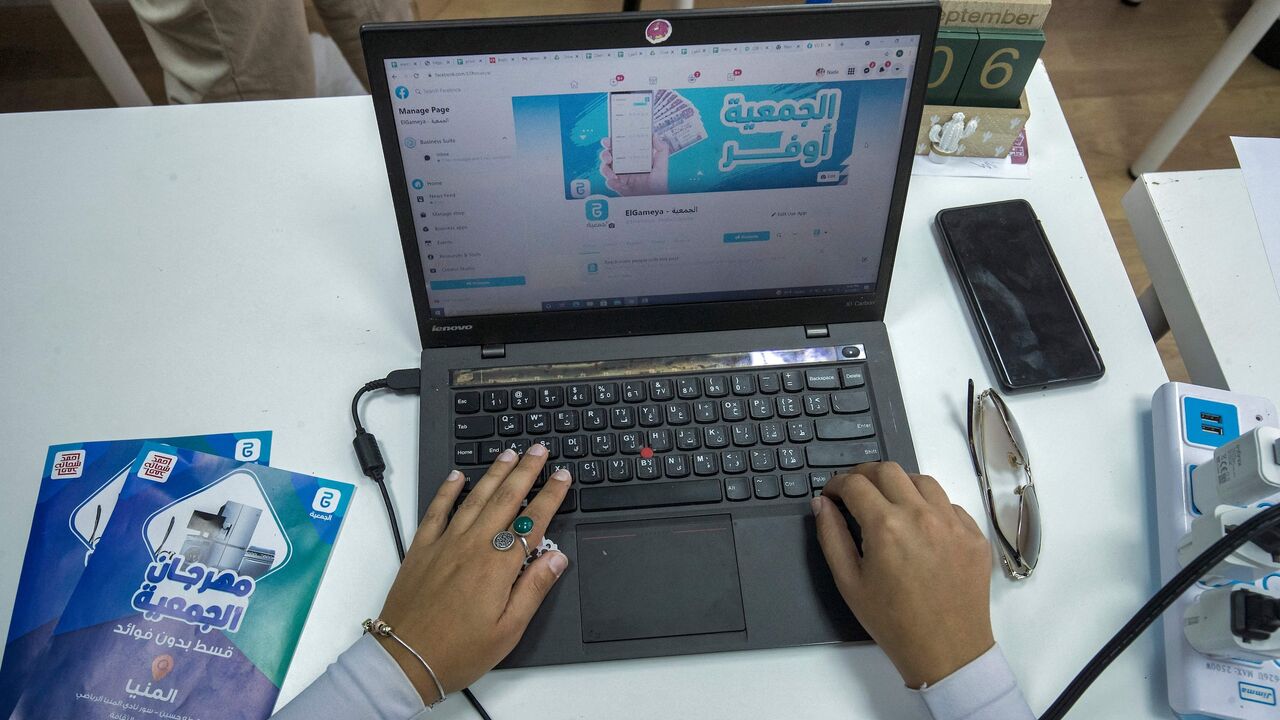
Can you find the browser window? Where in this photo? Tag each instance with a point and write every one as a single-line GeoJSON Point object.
{"type": "Point", "coordinates": [644, 176]}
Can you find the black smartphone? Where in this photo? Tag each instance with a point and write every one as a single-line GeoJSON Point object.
{"type": "Point", "coordinates": [1025, 313]}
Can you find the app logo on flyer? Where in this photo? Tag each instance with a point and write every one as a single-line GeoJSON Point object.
{"type": "Point", "coordinates": [157, 466]}
{"type": "Point", "coordinates": [67, 464]}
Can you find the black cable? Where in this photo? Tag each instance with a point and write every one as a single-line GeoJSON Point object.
{"type": "Point", "coordinates": [374, 467]}
{"type": "Point", "coordinates": [1172, 590]}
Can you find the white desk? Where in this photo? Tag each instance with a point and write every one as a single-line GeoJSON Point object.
{"type": "Point", "coordinates": [1200, 242]}
{"type": "Point", "coordinates": [198, 269]}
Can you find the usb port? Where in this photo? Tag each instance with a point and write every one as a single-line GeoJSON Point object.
{"type": "Point", "coordinates": [1211, 417]}
{"type": "Point", "coordinates": [1211, 429]}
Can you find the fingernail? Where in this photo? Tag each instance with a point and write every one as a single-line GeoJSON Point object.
{"type": "Point", "coordinates": [562, 475]}
{"type": "Point", "coordinates": [507, 455]}
{"type": "Point", "coordinates": [537, 449]}
{"type": "Point", "coordinates": [557, 562]}
{"type": "Point", "coordinates": [453, 476]}
{"type": "Point", "coordinates": [816, 504]}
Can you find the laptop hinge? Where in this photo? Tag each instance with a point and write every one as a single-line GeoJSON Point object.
{"type": "Point", "coordinates": [816, 331]}
{"type": "Point", "coordinates": [490, 352]}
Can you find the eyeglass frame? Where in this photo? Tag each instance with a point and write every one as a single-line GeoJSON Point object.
{"type": "Point", "coordinates": [1012, 556]}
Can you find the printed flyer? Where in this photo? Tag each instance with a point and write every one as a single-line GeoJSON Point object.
{"type": "Point", "coordinates": [77, 495]}
{"type": "Point", "coordinates": [192, 604]}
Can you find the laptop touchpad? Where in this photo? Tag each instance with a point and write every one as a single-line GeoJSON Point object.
{"type": "Point", "coordinates": [658, 578]}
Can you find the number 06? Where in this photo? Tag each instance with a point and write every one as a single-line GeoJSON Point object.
{"type": "Point", "coordinates": [992, 66]}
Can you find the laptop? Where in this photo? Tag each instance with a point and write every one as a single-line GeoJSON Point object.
{"type": "Point", "coordinates": [660, 244]}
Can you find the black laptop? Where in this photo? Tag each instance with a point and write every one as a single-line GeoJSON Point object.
{"type": "Point", "coordinates": [660, 244]}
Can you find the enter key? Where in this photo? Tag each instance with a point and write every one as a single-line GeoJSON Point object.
{"type": "Point", "coordinates": [838, 428]}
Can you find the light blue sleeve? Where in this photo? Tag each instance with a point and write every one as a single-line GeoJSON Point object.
{"type": "Point", "coordinates": [364, 682]}
{"type": "Point", "coordinates": [985, 689]}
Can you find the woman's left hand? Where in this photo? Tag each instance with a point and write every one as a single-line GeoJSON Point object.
{"type": "Point", "coordinates": [458, 601]}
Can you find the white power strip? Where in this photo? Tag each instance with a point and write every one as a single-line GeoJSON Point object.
{"type": "Point", "coordinates": [1189, 422]}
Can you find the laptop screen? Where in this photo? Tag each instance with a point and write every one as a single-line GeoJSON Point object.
{"type": "Point", "coordinates": [590, 179]}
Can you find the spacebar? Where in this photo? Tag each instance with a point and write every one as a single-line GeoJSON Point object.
{"type": "Point", "coordinates": [623, 497]}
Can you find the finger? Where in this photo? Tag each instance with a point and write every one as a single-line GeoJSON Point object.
{"type": "Point", "coordinates": [892, 481]}
{"type": "Point", "coordinates": [530, 590]}
{"type": "Point", "coordinates": [607, 143]}
{"type": "Point", "coordinates": [504, 504]}
{"type": "Point", "coordinates": [475, 502]}
{"type": "Point", "coordinates": [930, 490]}
{"type": "Point", "coordinates": [967, 520]}
{"type": "Point", "coordinates": [544, 505]}
{"type": "Point", "coordinates": [837, 545]}
{"type": "Point", "coordinates": [437, 515]}
{"type": "Point", "coordinates": [863, 499]}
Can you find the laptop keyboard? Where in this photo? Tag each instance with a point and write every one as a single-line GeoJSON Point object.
{"type": "Point", "coordinates": [763, 435]}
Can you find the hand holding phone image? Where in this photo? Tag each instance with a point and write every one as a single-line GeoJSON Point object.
{"type": "Point", "coordinates": [650, 182]}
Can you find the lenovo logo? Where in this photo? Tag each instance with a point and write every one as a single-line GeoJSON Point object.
{"type": "Point", "coordinates": [450, 328]}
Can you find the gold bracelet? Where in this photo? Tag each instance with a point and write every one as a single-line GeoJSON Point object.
{"type": "Point", "coordinates": [381, 629]}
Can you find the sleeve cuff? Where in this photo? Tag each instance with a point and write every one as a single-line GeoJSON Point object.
{"type": "Point", "coordinates": [365, 681]}
{"type": "Point", "coordinates": [985, 688]}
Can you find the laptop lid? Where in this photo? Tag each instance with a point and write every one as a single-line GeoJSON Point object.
{"type": "Point", "coordinates": [638, 173]}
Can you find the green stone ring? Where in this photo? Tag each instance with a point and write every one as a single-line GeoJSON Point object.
{"type": "Point", "coordinates": [523, 525]}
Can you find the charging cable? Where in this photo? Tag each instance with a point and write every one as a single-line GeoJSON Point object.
{"type": "Point", "coordinates": [374, 467]}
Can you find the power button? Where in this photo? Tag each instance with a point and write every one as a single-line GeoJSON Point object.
{"type": "Point", "coordinates": [853, 352]}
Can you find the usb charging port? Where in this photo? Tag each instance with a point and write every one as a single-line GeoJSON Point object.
{"type": "Point", "coordinates": [1211, 417]}
{"type": "Point", "coordinates": [1211, 429]}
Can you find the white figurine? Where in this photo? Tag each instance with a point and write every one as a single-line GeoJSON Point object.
{"type": "Point", "coordinates": [946, 138]}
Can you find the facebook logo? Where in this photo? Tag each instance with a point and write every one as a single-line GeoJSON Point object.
{"type": "Point", "coordinates": [402, 92]}
{"type": "Point", "coordinates": [597, 210]}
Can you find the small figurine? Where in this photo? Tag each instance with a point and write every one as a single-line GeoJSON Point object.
{"type": "Point", "coordinates": [946, 138]}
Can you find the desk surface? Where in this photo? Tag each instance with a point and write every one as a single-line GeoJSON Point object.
{"type": "Point", "coordinates": [1199, 239]}
{"type": "Point", "coordinates": [177, 270]}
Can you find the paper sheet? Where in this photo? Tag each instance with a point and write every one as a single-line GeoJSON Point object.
{"type": "Point", "coordinates": [1260, 163]}
{"type": "Point", "coordinates": [970, 167]}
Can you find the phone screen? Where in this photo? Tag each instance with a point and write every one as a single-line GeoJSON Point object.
{"type": "Point", "coordinates": [1022, 306]}
{"type": "Point", "coordinates": [631, 131]}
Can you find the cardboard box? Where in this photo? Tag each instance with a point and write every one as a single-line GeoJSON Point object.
{"type": "Point", "coordinates": [1002, 62]}
{"type": "Point", "coordinates": [1007, 14]}
{"type": "Point", "coordinates": [951, 56]}
{"type": "Point", "coordinates": [995, 134]}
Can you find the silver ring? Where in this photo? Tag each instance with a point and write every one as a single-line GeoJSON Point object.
{"type": "Point", "coordinates": [504, 540]}
{"type": "Point", "coordinates": [528, 554]}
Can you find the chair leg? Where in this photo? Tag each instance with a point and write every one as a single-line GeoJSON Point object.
{"type": "Point", "coordinates": [104, 55]}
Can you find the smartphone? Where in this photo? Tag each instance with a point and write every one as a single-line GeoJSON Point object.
{"type": "Point", "coordinates": [631, 132]}
{"type": "Point", "coordinates": [1023, 308]}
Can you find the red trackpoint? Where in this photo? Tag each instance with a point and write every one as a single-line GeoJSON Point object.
{"type": "Point", "coordinates": [646, 453]}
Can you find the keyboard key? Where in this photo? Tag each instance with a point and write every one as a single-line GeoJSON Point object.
{"type": "Point", "coordinates": [622, 418]}
{"type": "Point", "coordinates": [705, 463]}
{"type": "Point", "coordinates": [688, 438]}
{"type": "Point", "coordinates": [744, 435]}
{"type": "Point", "coordinates": [570, 502]}
{"type": "Point", "coordinates": [633, 391]}
{"type": "Point", "coordinates": [737, 488]}
{"type": "Point", "coordinates": [466, 454]}
{"type": "Point", "coordinates": [661, 390]}
{"type": "Point", "coordinates": [604, 444]}
{"type": "Point", "coordinates": [816, 405]}
{"type": "Point", "coordinates": [471, 476]}
{"type": "Point", "coordinates": [766, 486]}
{"type": "Point", "coordinates": [489, 451]}
{"type": "Point", "coordinates": [768, 382]}
{"type": "Point", "coordinates": [838, 428]}
{"type": "Point", "coordinates": [606, 393]}
{"type": "Point", "coordinates": [510, 424]}
{"type": "Point", "coordinates": [650, 416]}
{"type": "Point", "coordinates": [850, 401]}
{"type": "Point", "coordinates": [648, 468]}
{"type": "Point", "coordinates": [594, 419]}
{"type": "Point", "coordinates": [800, 430]}
{"type": "Point", "coordinates": [676, 466]}
{"type": "Point", "coordinates": [792, 380]}
{"type": "Point", "coordinates": [660, 441]}
{"type": "Point", "coordinates": [688, 388]}
{"type": "Point", "coordinates": [733, 461]}
{"type": "Point", "coordinates": [771, 433]}
{"type": "Point", "coordinates": [550, 468]}
{"type": "Point", "coordinates": [733, 410]}
{"type": "Point", "coordinates": [853, 376]}
{"type": "Point", "coordinates": [629, 443]}
{"type": "Point", "coordinates": [473, 428]}
{"type": "Point", "coordinates": [647, 495]}
{"type": "Point", "coordinates": [715, 437]}
{"type": "Point", "coordinates": [795, 485]}
{"type": "Point", "coordinates": [761, 408]}
{"type": "Point", "coordinates": [841, 454]}
{"type": "Point", "coordinates": [743, 384]}
{"type": "Point", "coordinates": [590, 472]}
{"type": "Point", "coordinates": [523, 399]}
{"type": "Point", "coordinates": [552, 444]}
{"type": "Point", "coordinates": [678, 413]}
{"type": "Point", "coordinates": [706, 411]}
{"type": "Point", "coordinates": [466, 402]}
{"type": "Point", "coordinates": [819, 479]}
{"type": "Point", "coordinates": [619, 469]}
{"type": "Point", "coordinates": [537, 423]}
{"type": "Point", "coordinates": [715, 386]}
{"type": "Point", "coordinates": [494, 400]}
{"type": "Point", "coordinates": [567, 420]}
{"type": "Point", "coordinates": [763, 460]}
{"type": "Point", "coordinates": [575, 446]}
{"type": "Point", "coordinates": [822, 379]}
{"type": "Point", "coordinates": [519, 446]}
{"type": "Point", "coordinates": [551, 397]}
{"type": "Point", "coordinates": [788, 406]}
{"type": "Point", "coordinates": [789, 458]}
{"type": "Point", "coordinates": [579, 395]}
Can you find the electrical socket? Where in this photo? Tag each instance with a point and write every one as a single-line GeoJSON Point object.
{"type": "Point", "coordinates": [1235, 622]}
{"type": "Point", "coordinates": [1249, 562]}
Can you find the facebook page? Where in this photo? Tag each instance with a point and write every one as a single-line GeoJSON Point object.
{"type": "Point", "coordinates": [643, 176]}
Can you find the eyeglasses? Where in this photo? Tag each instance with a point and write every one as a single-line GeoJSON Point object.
{"type": "Point", "coordinates": [1004, 476]}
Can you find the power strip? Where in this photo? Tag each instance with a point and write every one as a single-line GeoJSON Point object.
{"type": "Point", "coordinates": [1189, 422]}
